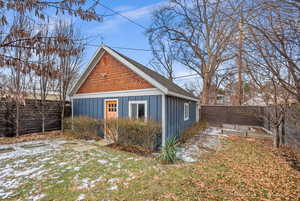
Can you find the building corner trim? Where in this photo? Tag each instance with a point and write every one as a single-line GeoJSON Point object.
{"type": "Point", "coordinates": [163, 120]}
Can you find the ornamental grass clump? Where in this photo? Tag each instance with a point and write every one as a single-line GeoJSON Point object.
{"type": "Point", "coordinates": [168, 152]}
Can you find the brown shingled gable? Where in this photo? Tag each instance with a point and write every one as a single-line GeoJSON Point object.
{"type": "Point", "coordinates": [111, 75]}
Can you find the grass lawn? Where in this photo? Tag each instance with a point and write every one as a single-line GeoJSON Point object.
{"type": "Point", "coordinates": [244, 170]}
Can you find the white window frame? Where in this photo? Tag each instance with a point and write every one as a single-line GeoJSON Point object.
{"type": "Point", "coordinates": [186, 105]}
{"type": "Point", "coordinates": [138, 102]}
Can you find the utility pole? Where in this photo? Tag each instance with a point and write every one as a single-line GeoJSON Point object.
{"type": "Point", "coordinates": [239, 61]}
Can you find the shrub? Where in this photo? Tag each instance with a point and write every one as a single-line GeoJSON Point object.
{"type": "Point", "coordinates": [193, 130]}
{"type": "Point", "coordinates": [127, 131]}
{"type": "Point", "coordinates": [168, 152]}
{"type": "Point", "coordinates": [84, 127]}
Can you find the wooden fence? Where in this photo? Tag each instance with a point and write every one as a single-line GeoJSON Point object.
{"type": "Point", "coordinates": [30, 117]}
{"type": "Point", "coordinates": [254, 116]}
{"type": "Point", "coordinates": [240, 115]}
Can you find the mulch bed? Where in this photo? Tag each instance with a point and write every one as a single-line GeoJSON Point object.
{"type": "Point", "coordinates": [132, 149]}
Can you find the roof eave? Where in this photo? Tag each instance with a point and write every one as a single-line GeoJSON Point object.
{"type": "Point", "coordinates": [182, 96]}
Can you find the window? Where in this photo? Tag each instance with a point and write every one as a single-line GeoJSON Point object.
{"type": "Point", "coordinates": [138, 109]}
{"type": "Point", "coordinates": [112, 107]}
{"type": "Point", "coordinates": [186, 111]}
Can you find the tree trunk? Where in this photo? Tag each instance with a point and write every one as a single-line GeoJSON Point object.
{"type": "Point", "coordinates": [205, 91]}
{"type": "Point", "coordinates": [276, 140]}
{"type": "Point", "coordinates": [282, 132]}
{"type": "Point", "coordinates": [43, 118]}
{"type": "Point", "coordinates": [17, 119]}
{"type": "Point", "coordinates": [62, 116]}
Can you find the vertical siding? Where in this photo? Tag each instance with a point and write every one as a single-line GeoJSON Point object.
{"type": "Point", "coordinates": [175, 123]}
{"type": "Point", "coordinates": [94, 107]}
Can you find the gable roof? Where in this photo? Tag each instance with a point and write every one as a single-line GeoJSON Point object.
{"type": "Point", "coordinates": [157, 80]}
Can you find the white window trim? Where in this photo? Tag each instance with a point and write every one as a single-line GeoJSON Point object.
{"type": "Point", "coordinates": [122, 93]}
{"type": "Point", "coordinates": [188, 106]}
{"type": "Point", "coordinates": [106, 100]}
{"type": "Point", "coordinates": [138, 102]}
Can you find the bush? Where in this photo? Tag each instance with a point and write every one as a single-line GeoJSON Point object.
{"type": "Point", "coordinates": [129, 132]}
{"type": "Point", "coordinates": [193, 130]}
{"type": "Point", "coordinates": [84, 127]}
{"type": "Point", "coordinates": [168, 152]}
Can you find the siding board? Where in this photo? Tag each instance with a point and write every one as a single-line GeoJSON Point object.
{"type": "Point", "coordinates": [93, 107]}
{"type": "Point", "coordinates": [175, 123]}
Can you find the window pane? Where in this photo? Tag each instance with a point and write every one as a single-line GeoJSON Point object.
{"type": "Point", "coordinates": [186, 111]}
{"type": "Point", "coordinates": [133, 110]}
{"type": "Point", "coordinates": [141, 111]}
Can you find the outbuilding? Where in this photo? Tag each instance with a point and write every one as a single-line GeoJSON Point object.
{"type": "Point", "coordinates": [115, 86]}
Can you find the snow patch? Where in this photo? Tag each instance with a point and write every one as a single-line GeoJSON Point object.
{"type": "Point", "coordinates": [26, 173]}
{"type": "Point", "coordinates": [102, 161]}
{"type": "Point", "coordinates": [81, 197]}
{"type": "Point", "coordinates": [36, 197]}
{"type": "Point", "coordinates": [20, 151]}
{"type": "Point", "coordinates": [76, 168]}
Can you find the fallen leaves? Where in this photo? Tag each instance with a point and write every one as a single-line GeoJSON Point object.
{"type": "Point", "coordinates": [246, 171]}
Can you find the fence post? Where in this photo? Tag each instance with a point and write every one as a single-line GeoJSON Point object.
{"type": "Point", "coordinates": [72, 108]}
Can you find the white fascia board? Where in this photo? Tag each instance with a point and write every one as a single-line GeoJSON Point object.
{"type": "Point", "coordinates": [87, 72]}
{"type": "Point", "coordinates": [136, 92]}
{"type": "Point", "coordinates": [182, 96]}
{"type": "Point", "coordinates": [136, 70]}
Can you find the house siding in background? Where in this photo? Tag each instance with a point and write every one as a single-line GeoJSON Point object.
{"type": "Point", "coordinates": [175, 123]}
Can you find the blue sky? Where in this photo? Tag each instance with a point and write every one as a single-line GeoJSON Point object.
{"type": "Point", "coordinates": [115, 31]}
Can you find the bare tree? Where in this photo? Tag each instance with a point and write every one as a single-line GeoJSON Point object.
{"type": "Point", "coordinates": [18, 76]}
{"type": "Point", "coordinates": [201, 31]}
{"type": "Point", "coordinates": [273, 43]}
{"type": "Point", "coordinates": [163, 56]}
{"type": "Point", "coordinates": [68, 66]}
{"type": "Point", "coordinates": [32, 39]}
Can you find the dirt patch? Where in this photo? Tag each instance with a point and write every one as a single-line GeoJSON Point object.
{"type": "Point", "coordinates": [6, 150]}
{"type": "Point", "coordinates": [132, 149]}
{"type": "Point", "coordinates": [80, 147]}
{"type": "Point", "coordinates": [291, 156]}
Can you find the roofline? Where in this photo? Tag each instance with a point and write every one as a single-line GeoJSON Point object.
{"type": "Point", "coordinates": [148, 78]}
{"type": "Point", "coordinates": [86, 73]}
{"type": "Point", "coordinates": [182, 96]}
{"type": "Point", "coordinates": [136, 70]}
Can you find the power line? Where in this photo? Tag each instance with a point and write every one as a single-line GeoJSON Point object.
{"type": "Point", "coordinates": [184, 76]}
{"type": "Point", "coordinates": [124, 48]}
{"type": "Point", "coordinates": [124, 16]}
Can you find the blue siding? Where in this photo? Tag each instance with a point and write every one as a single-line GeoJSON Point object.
{"type": "Point", "coordinates": [175, 123]}
{"type": "Point", "coordinates": [93, 107]}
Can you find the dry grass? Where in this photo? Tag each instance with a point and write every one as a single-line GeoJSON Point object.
{"type": "Point", "coordinates": [67, 135]}
{"type": "Point", "coordinates": [35, 136]}
{"type": "Point", "coordinates": [246, 169]}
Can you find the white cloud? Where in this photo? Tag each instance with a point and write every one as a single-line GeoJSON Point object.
{"type": "Point", "coordinates": [135, 14]}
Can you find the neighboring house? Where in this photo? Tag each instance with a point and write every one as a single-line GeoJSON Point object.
{"type": "Point", "coordinates": [255, 101]}
{"type": "Point", "coordinates": [114, 85]}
